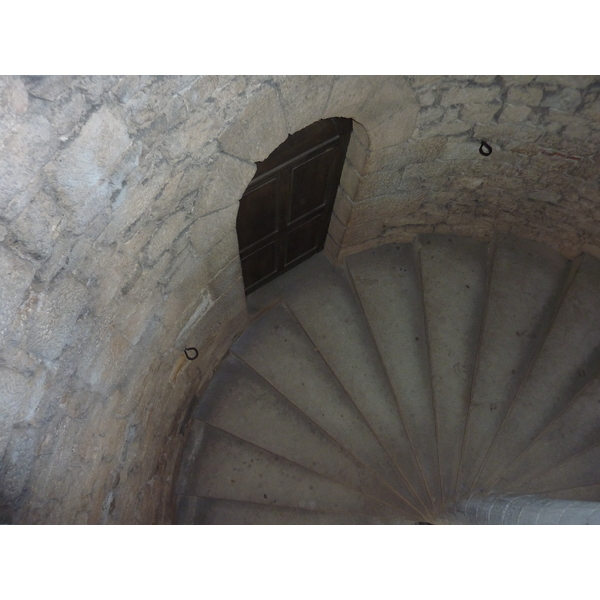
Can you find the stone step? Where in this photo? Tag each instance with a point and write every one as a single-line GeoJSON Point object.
{"type": "Point", "coordinates": [587, 493]}
{"type": "Point", "coordinates": [242, 403]}
{"type": "Point", "coordinates": [577, 471]}
{"type": "Point", "coordinates": [572, 432]}
{"type": "Point", "coordinates": [568, 359]}
{"type": "Point", "coordinates": [525, 285]}
{"type": "Point", "coordinates": [277, 348]}
{"type": "Point", "coordinates": [386, 282]}
{"type": "Point", "coordinates": [329, 313]}
{"type": "Point", "coordinates": [454, 276]}
{"type": "Point", "coordinates": [193, 510]}
{"type": "Point", "coordinates": [229, 468]}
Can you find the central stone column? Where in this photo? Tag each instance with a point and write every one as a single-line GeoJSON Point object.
{"type": "Point", "coordinates": [504, 509]}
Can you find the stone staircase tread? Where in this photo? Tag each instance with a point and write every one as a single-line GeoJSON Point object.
{"type": "Point", "coordinates": [453, 311]}
{"type": "Point", "coordinates": [241, 402]}
{"type": "Point", "coordinates": [525, 284]}
{"type": "Point", "coordinates": [233, 469]}
{"type": "Point", "coordinates": [575, 429]}
{"type": "Point", "coordinates": [576, 471]}
{"type": "Point", "coordinates": [386, 283]}
{"type": "Point", "coordinates": [412, 383]}
{"type": "Point", "coordinates": [193, 510]}
{"type": "Point", "coordinates": [330, 315]}
{"type": "Point", "coordinates": [568, 359]}
{"type": "Point", "coordinates": [278, 349]}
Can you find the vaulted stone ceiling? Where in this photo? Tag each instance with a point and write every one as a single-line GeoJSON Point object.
{"type": "Point", "coordinates": [118, 199]}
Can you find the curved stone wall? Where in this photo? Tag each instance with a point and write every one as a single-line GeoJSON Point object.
{"type": "Point", "coordinates": [118, 200]}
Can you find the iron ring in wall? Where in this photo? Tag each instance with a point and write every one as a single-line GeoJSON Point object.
{"type": "Point", "coordinates": [488, 148]}
{"type": "Point", "coordinates": [194, 356]}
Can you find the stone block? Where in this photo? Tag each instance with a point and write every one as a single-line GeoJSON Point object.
{"type": "Point", "coordinates": [530, 514]}
{"type": "Point", "coordinates": [135, 313]}
{"type": "Point", "coordinates": [593, 517]}
{"type": "Point", "coordinates": [77, 404]}
{"type": "Point", "coordinates": [397, 129]}
{"type": "Point", "coordinates": [470, 94]}
{"type": "Point", "coordinates": [18, 460]}
{"type": "Point", "coordinates": [304, 99]}
{"type": "Point", "coordinates": [348, 94]}
{"type": "Point", "coordinates": [336, 230]}
{"type": "Point", "coordinates": [392, 209]}
{"type": "Point", "coordinates": [514, 114]}
{"type": "Point", "coordinates": [83, 172]}
{"type": "Point", "coordinates": [107, 273]}
{"type": "Point", "coordinates": [350, 179]}
{"type": "Point", "coordinates": [505, 133]}
{"type": "Point", "coordinates": [379, 184]}
{"type": "Point", "coordinates": [411, 151]}
{"type": "Point", "coordinates": [207, 231]}
{"type": "Point", "coordinates": [149, 100]}
{"type": "Point", "coordinates": [573, 81]}
{"type": "Point", "coordinates": [435, 170]}
{"type": "Point", "coordinates": [14, 100]}
{"type": "Point", "coordinates": [517, 79]}
{"type": "Point", "coordinates": [214, 332]}
{"type": "Point", "coordinates": [530, 96]}
{"type": "Point", "coordinates": [343, 206]}
{"type": "Point", "coordinates": [66, 113]}
{"type": "Point", "coordinates": [363, 232]}
{"type": "Point", "coordinates": [565, 100]}
{"type": "Point", "coordinates": [418, 81]}
{"type": "Point", "coordinates": [592, 111]}
{"type": "Point", "coordinates": [192, 137]}
{"type": "Point", "coordinates": [389, 96]}
{"type": "Point", "coordinates": [25, 151]}
{"type": "Point", "coordinates": [209, 285]}
{"type": "Point", "coordinates": [37, 226]}
{"type": "Point", "coordinates": [479, 113]}
{"type": "Point", "coordinates": [16, 276]}
{"type": "Point", "coordinates": [54, 319]}
{"type": "Point", "coordinates": [362, 134]}
{"type": "Point", "coordinates": [430, 114]}
{"type": "Point", "coordinates": [166, 233]}
{"type": "Point", "coordinates": [258, 130]}
{"type": "Point", "coordinates": [440, 123]}
{"type": "Point", "coordinates": [426, 97]}
{"type": "Point", "coordinates": [97, 368]}
{"type": "Point", "coordinates": [49, 88]}
{"type": "Point", "coordinates": [225, 184]}
{"type": "Point", "coordinates": [574, 514]}
{"type": "Point", "coordinates": [356, 153]}
{"type": "Point", "coordinates": [136, 197]}
{"type": "Point", "coordinates": [461, 149]}
{"type": "Point", "coordinates": [16, 391]}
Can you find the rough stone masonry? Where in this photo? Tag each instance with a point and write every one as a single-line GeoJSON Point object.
{"type": "Point", "coordinates": [118, 201]}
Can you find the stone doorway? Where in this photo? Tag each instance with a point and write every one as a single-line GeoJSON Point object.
{"type": "Point", "coordinates": [285, 211]}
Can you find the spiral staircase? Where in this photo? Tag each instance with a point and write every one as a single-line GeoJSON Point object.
{"type": "Point", "coordinates": [392, 388]}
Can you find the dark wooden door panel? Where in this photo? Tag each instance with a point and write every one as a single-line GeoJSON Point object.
{"type": "Point", "coordinates": [302, 242]}
{"type": "Point", "coordinates": [285, 212]}
{"type": "Point", "coordinates": [258, 216]}
{"type": "Point", "coordinates": [309, 184]}
{"type": "Point", "coordinates": [260, 265]}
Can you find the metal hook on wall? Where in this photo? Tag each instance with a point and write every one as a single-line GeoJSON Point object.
{"type": "Point", "coordinates": [488, 148]}
{"type": "Point", "coordinates": [195, 356]}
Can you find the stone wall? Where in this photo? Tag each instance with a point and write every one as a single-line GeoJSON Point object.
{"type": "Point", "coordinates": [118, 200]}
{"type": "Point", "coordinates": [540, 182]}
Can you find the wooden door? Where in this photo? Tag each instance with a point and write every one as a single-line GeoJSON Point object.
{"type": "Point", "coordinates": [285, 211]}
